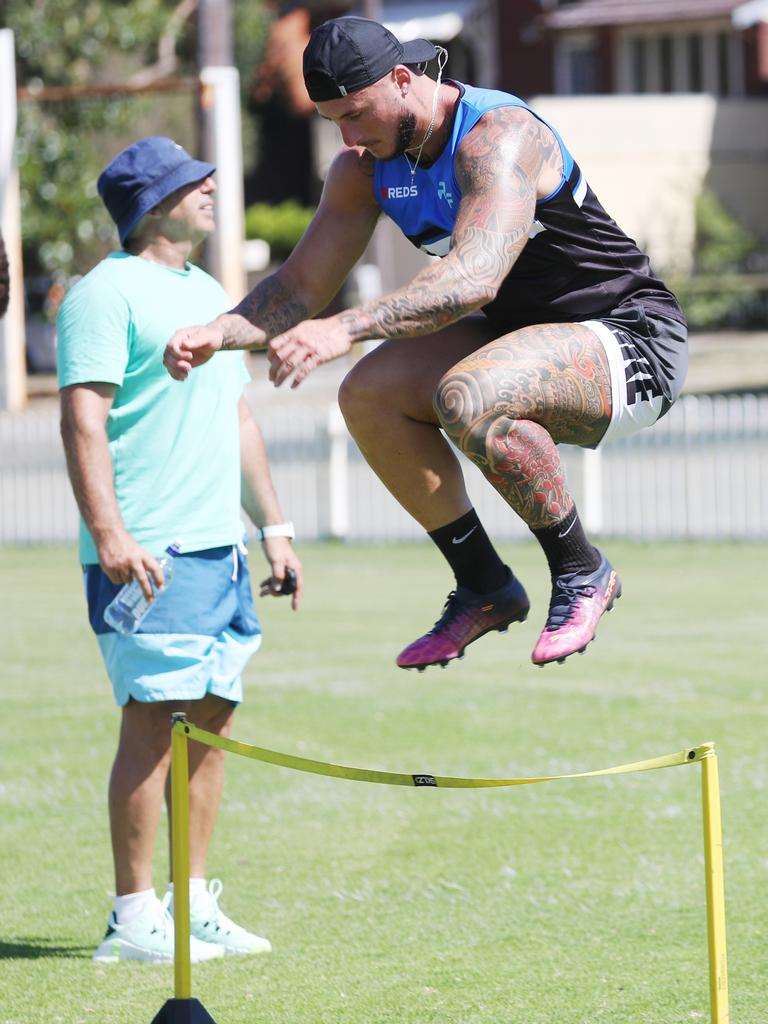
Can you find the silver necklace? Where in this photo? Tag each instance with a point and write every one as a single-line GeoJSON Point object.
{"type": "Point", "coordinates": [442, 58]}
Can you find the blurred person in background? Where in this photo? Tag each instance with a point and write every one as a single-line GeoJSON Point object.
{"type": "Point", "coordinates": [151, 462]}
{"type": "Point", "coordinates": [5, 280]}
{"type": "Point", "coordinates": [541, 324]}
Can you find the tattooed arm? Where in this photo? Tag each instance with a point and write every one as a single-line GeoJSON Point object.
{"type": "Point", "coordinates": [498, 167]}
{"type": "Point", "coordinates": [335, 239]}
{"type": "Point", "coordinates": [503, 165]}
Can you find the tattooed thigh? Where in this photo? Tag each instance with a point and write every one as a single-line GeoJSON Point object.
{"type": "Point", "coordinates": [556, 375]}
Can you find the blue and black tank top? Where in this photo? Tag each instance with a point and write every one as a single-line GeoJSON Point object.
{"type": "Point", "coordinates": [577, 264]}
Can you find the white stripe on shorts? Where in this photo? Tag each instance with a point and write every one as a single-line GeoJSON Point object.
{"type": "Point", "coordinates": [626, 418]}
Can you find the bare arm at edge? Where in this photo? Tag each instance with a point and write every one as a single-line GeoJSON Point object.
{"type": "Point", "coordinates": [498, 165]}
{"type": "Point", "coordinates": [311, 276]}
{"type": "Point", "coordinates": [502, 165]}
{"type": "Point", "coordinates": [84, 410]}
{"type": "Point", "coordinates": [260, 501]}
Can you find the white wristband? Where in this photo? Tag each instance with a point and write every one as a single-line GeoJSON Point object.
{"type": "Point", "coordinates": [278, 530]}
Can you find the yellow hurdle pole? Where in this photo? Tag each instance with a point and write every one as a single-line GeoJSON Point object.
{"type": "Point", "coordinates": [180, 855]}
{"type": "Point", "coordinates": [715, 884]}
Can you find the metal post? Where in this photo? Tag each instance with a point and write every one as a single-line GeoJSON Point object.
{"type": "Point", "coordinates": [380, 248]}
{"type": "Point", "coordinates": [221, 141]}
{"type": "Point", "coordinates": [13, 369]}
{"type": "Point", "coordinates": [592, 490]}
{"type": "Point", "coordinates": [715, 886]}
{"type": "Point", "coordinates": [222, 146]}
{"type": "Point", "coordinates": [180, 855]}
{"type": "Point", "coordinates": [338, 474]}
{"type": "Point", "coordinates": [214, 33]}
{"type": "Point", "coordinates": [182, 1009]}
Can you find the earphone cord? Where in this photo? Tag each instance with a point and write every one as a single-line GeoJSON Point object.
{"type": "Point", "coordinates": [442, 60]}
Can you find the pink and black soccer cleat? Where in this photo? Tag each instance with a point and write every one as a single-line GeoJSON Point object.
{"type": "Point", "coordinates": [466, 617]}
{"type": "Point", "coordinates": [578, 602]}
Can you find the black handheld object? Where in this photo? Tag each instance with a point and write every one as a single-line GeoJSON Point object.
{"type": "Point", "coordinates": [289, 582]}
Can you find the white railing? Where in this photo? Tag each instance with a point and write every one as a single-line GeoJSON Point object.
{"type": "Point", "coordinates": [700, 473]}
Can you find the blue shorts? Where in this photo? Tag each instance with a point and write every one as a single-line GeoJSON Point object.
{"type": "Point", "coordinates": [196, 638]}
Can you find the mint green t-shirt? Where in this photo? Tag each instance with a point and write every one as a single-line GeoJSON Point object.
{"type": "Point", "coordinates": [175, 446]}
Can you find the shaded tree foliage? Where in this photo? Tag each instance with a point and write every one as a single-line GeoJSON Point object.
{"type": "Point", "coordinates": [62, 146]}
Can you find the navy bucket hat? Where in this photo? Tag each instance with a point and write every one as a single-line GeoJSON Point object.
{"type": "Point", "coordinates": [143, 175]}
{"type": "Point", "coordinates": [347, 54]}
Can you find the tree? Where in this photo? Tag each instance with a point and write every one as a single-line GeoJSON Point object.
{"type": "Point", "coordinates": [63, 145]}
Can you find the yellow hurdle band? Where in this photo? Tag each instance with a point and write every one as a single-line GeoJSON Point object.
{"type": "Point", "coordinates": [337, 771]}
{"type": "Point", "coordinates": [182, 730]}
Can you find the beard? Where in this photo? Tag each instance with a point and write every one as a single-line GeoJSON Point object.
{"type": "Point", "coordinates": [406, 130]}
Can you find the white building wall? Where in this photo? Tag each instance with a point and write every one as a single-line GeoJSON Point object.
{"type": "Point", "coordinates": [648, 157]}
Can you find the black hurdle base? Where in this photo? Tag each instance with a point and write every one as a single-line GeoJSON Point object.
{"type": "Point", "coordinates": [183, 1011]}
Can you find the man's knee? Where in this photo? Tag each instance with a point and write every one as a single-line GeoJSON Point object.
{"type": "Point", "coordinates": [367, 395]}
{"type": "Point", "coordinates": [458, 406]}
{"type": "Point", "coordinates": [474, 417]}
{"type": "Point", "coordinates": [388, 382]}
{"type": "Point", "coordinates": [357, 393]}
{"type": "Point", "coordinates": [146, 727]}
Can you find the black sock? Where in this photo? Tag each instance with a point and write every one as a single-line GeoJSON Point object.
{"type": "Point", "coordinates": [468, 550]}
{"type": "Point", "coordinates": [566, 546]}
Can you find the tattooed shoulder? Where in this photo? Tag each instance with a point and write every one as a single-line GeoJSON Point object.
{"type": "Point", "coordinates": [503, 138]}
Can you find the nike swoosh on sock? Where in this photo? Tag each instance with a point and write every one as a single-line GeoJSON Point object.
{"type": "Point", "coordinates": [565, 532]}
{"type": "Point", "coordinates": [460, 540]}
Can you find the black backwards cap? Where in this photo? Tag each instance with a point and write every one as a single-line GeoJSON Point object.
{"type": "Point", "coordinates": [347, 54]}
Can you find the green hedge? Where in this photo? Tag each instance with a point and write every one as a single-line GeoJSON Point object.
{"type": "Point", "coordinates": [714, 303]}
{"type": "Point", "coordinates": [721, 292]}
{"type": "Point", "coordinates": [281, 225]}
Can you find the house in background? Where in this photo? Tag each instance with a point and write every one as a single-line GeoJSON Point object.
{"type": "Point", "coordinates": [658, 100]}
{"type": "Point", "coordinates": [578, 47]}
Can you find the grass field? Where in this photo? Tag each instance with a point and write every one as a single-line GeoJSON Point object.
{"type": "Point", "coordinates": [576, 902]}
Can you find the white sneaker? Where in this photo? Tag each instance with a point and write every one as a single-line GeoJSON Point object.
{"type": "Point", "coordinates": [149, 937]}
{"type": "Point", "coordinates": [212, 927]}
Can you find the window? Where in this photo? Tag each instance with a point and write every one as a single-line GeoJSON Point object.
{"type": "Point", "coordinates": [576, 66]}
{"type": "Point", "coordinates": [723, 64]}
{"type": "Point", "coordinates": [706, 60]}
{"type": "Point", "coordinates": [638, 65]}
{"type": "Point", "coordinates": [665, 63]}
{"type": "Point", "coordinates": [695, 63]}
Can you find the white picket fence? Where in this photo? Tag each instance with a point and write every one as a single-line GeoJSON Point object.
{"type": "Point", "coordinates": [701, 473]}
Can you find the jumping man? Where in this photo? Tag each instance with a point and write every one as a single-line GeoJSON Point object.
{"type": "Point", "coordinates": [541, 324]}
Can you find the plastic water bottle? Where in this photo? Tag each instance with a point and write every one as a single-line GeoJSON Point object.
{"type": "Point", "coordinates": [129, 606]}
